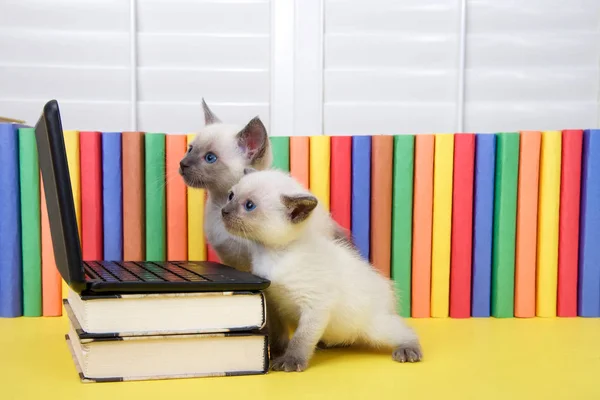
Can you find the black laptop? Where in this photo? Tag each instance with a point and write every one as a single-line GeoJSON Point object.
{"type": "Point", "coordinates": [102, 277]}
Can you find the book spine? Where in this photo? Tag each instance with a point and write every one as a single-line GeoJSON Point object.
{"type": "Point", "coordinates": [443, 166]}
{"type": "Point", "coordinates": [483, 224]}
{"type": "Point", "coordinates": [589, 250]}
{"type": "Point", "coordinates": [176, 147]}
{"type": "Point", "coordinates": [11, 274]}
{"type": "Point", "coordinates": [91, 195]}
{"type": "Point", "coordinates": [195, 220]}
{"type": "Point", "coordinates": [281, 152]}
{"type": "Point", "coordinates": [155, 197]}
{"type": "Point", "coordinates": [382, 158]}
{"type": "Point", "coordinates": [361, 189]}
{"type": "Point", "coordinates": [505, 224]}
{"type": "Point", "coordinates": [462, 226]}
{"type": "Point", "coordinates": [402, 207]}
{"type": "Point", "coordinates": [112, 196]}
{"type": "Point", "coordinates": [299, 159]}
{"type": "Point", "coordinates": [133, 195]}
{"type": "Point", "coordinates": [29, 174]}
{"type": "Point", "coordinates": [51, 279]}
{"type": "Point", "coordinates": [422, 226]}
{"type": "Point", "coordinates": [341, 181]}
{"type": "Point", "coordinates": [549, 204]}
{"type": "Point", "coordinates": [320, 162]}
{"type": "Point", "coordinates": [71, 139]}
{"type": "Point", "coordinates": [527, 212]}
{"type": "Point", "coordinates": [212, 254]}
{"type": "Point", "coordinates": [568, 230]}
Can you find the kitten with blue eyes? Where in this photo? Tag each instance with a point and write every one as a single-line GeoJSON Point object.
{"type": "Point", "coordinates": [320, 287]}
{"type": "Point", "coordinates": [215, 161]}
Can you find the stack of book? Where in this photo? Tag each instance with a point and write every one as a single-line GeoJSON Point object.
{"type": "Point", "coordinates": [161, 336]}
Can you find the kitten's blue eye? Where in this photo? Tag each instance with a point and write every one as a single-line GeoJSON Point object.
{"type": "Point", "coordinates": [210, 157]}
{"type": "Point", "coordinates": [230, 197]}
{"type": "Point", "coordinates": [249, 206]}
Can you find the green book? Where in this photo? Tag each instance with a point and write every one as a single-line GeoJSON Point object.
{"type": "Point", "coordinates": [31, 244]}
{"type": "Point", "coordinates": [402, 200]}
{"type": "Point", "coordinates": [281, 152]}
{"type": "Point", "coordinates": [156, 238]}
{"type": "Point", "coordinates": [505, 224]}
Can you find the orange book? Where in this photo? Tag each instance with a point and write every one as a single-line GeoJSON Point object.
{"type": "Point", "coordinates": [176, 147]}
{"type": "Point", "coordinates": [527, 212]}
{"type": "Point", "coordinates": [382, 157]}
{"type": "Point", "coordinates": [51, 280]}
{"type": "Point", "coordinates": [132, 148]}
{"type": "Point", "coordinates": [299, 159]}
{"type": "Point", "coordinates": [422, 226]}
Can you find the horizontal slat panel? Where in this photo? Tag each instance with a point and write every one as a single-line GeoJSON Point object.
{"type": "Point", "coordinates": [20, 46]}
{"type": "Point", "coordinates": [415, 16]}
{"type": "Point", "coordinates": [540, 50]}
{"type": "Point", "coordinates": [533, 84]}
{"type": "Point", "coordinates": [394, 85]}
{"type": "Point", "coordinates": [489, 16]}
{"type": "Point", "coordinates": [21, 83]}
{"type": "Point", "coordinates": [513, 116]}
{"type": "Point", "coordinates": [190, 85]}
{"type": "Point", "coordinates": [205, 51]}
{"type": "Point", "coordinates": [397, 51]}
{"type": "Point", "coordinates": [68, 15]}
{"type": "Point", "coordinates": [79, 115]}
{"type": "Point", "coordinates": [188, 117]}
{"type": "Point", "coordinates": [203, 16]}
{"type": "Point", "coordinates": [387, 118]}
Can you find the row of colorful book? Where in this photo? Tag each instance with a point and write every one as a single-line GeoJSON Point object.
{"type": "Point", "coordinates": [465, 224]}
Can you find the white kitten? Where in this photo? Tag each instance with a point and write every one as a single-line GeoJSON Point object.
{"type": "Point", "coordinates": [319, 285]}
{"type": "Point", "coordinates": [215, 161]}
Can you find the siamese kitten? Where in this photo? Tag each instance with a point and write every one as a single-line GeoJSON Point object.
{"type": "Point", "coordinates": [320, 287]}
{"type": "Point", "coordinates": [215, 161]}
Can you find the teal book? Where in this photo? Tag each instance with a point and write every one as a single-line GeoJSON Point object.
{"type": "Point", "coordinates": [281, 152]}
{"type": "Point", "coordinates": [29, 179]}
{"type": "Point", "coordinates": [156, 238]}
{"type": "Point", "coordinates": [505, 224]}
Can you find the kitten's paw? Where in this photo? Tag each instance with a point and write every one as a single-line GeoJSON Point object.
{"type": "Point", "coordinates": [408, 353]}
{"type": "Point", "coordinates": [290, 363]}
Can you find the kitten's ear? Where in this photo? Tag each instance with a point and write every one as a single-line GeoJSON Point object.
{"type": "Point", "coordinates": [253, 140]}
{"type": "Point", "coordinates": [249, 170]}
{"type": "Point", "coordinates": [209, 116]}
{"type": "Point", "coordinates": [299, 206]}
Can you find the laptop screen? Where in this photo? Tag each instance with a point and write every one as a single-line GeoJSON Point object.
{"type": "Point", "coordinates": [59, 196]}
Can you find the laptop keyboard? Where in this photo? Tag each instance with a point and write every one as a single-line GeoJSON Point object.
{"type": "Point", "coordinates": [127, 271]}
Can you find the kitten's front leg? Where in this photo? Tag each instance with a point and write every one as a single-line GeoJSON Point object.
{"type": "Point", "coordinates": [311, 326]}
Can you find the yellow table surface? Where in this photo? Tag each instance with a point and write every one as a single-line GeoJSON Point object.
{"type": "Point", "coordinates": [464, 359]}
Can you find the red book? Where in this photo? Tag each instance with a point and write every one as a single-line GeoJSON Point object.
{"type": "Point", "coordinates": [341, 181]}
{"type": "Point", "coordinates": [462, 226]}
{"type": "Point", "coordinates": [568, 226]}
{"type": "Point", "coordinates": [212, 254]}
{"type": "Point", "coordinates": [90, 153]}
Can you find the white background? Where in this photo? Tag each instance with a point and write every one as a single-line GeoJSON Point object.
{"type": "Point", "coordinates": [307, 67]}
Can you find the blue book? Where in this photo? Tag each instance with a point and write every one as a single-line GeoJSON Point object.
{"type": "Point", "coordinates": [112, 196]}
{"type": "Point", "coordinates": [361, 193]}
{"type": "Point", "coordinates": [589, 231]}
{"type": "Point", "coordinates": [11, 273]}
{"type": "Point", "coordinates": [483, 224]}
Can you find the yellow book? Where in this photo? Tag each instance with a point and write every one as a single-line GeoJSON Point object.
{"type": "Point", "coordinates": [72, 149]}
{"type": "Point", "coordinates": [195, 212]}
{"type": "Point", "coordinates": [548, 216]}
{"type": "Point", "coordinates": [319, 168]}
{"type": "Point", "coordinates": [442, 224]}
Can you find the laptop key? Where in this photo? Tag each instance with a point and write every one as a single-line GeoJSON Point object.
{"type": "Point", "coordinates": [119, 271]}
{"type": "Point", "coordinates": [143, 274]}
{"type": "Point", "coordinates": [162, 272]}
